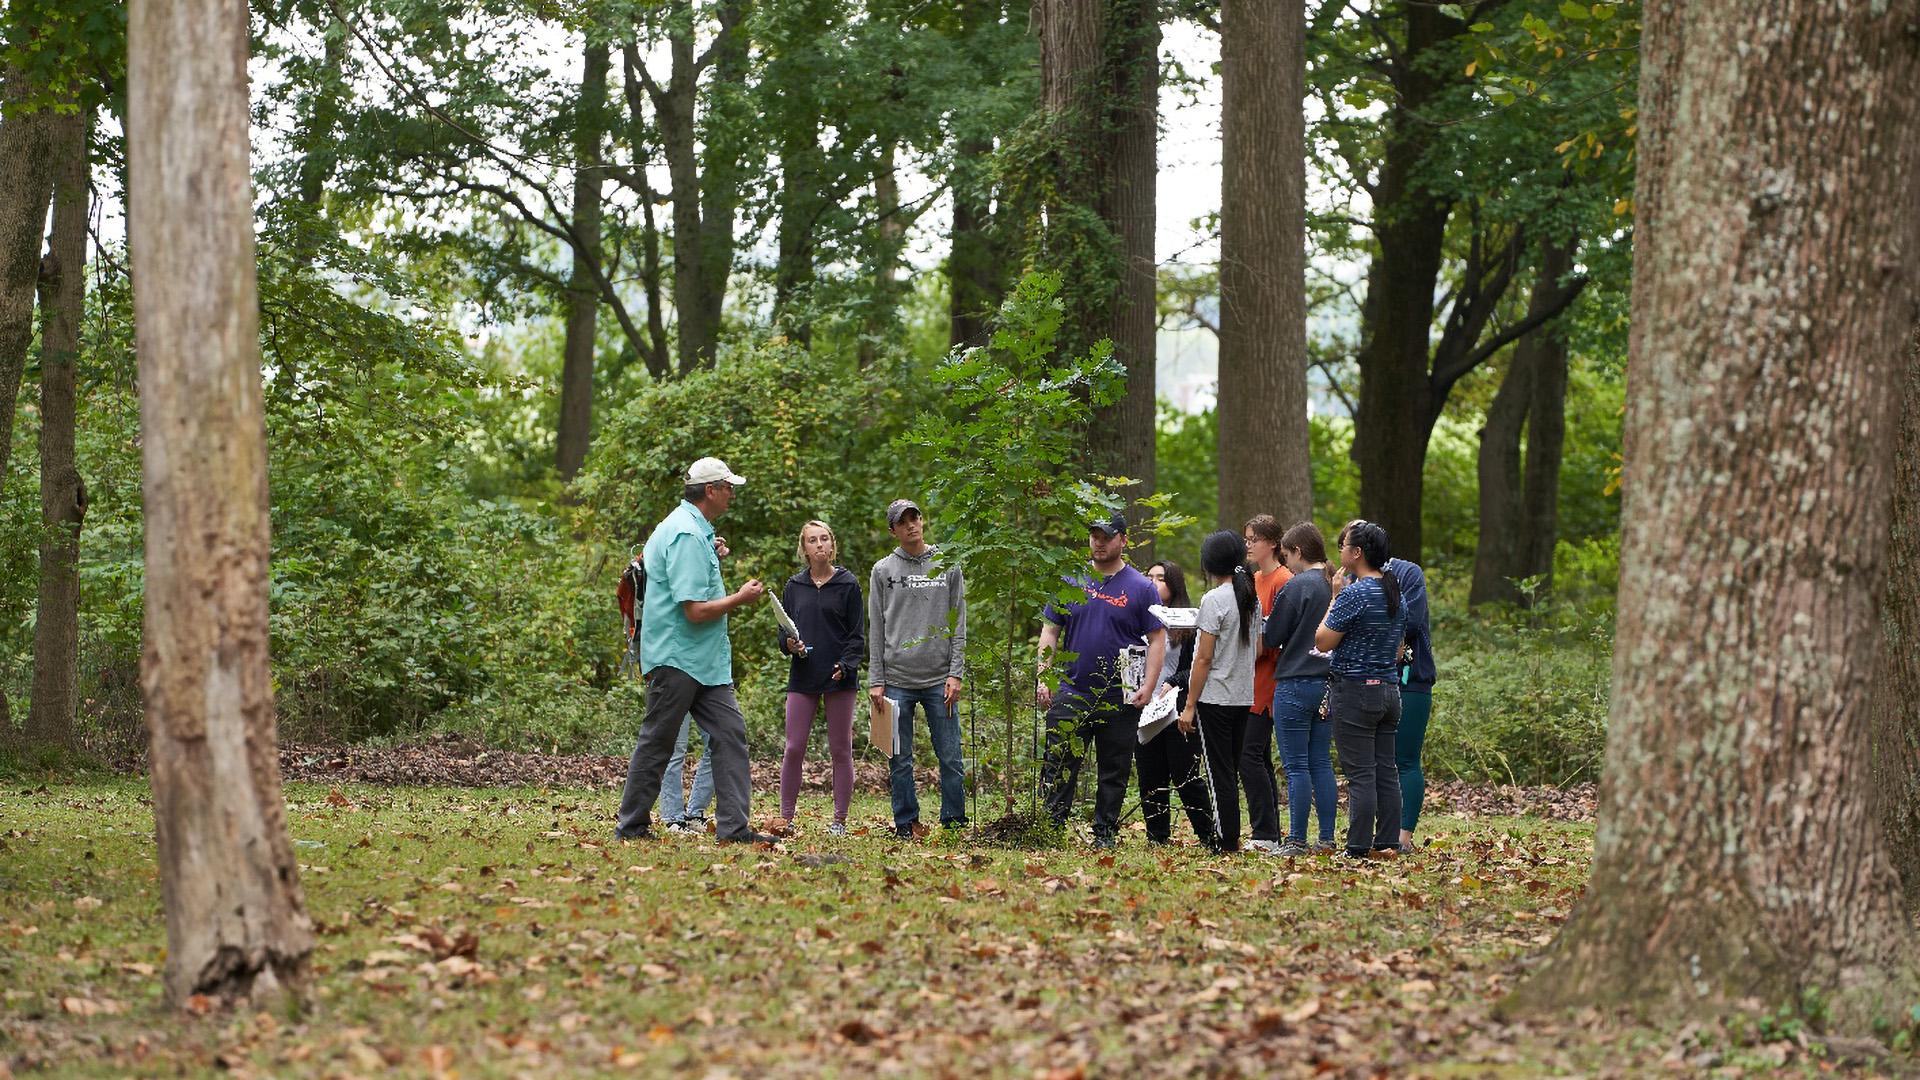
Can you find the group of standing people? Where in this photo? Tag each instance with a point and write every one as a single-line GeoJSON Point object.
{"type": "Point", "coordinates": [910, 631]}
{"type": "Point", "coordinates": [1281, 648]}
{"type": "Point", "coordinates": [1284, 648]}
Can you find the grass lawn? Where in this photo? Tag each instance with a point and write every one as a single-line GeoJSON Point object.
{"type": "Point", "coordinates": [499, 932]}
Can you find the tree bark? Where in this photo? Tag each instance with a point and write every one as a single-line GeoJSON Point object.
{"type": "Point", "coordinates": [575, 430]}
{"type": "Point", "coordinates": [702, 173]}
{"type": "Point", "coordinates": [1520, 501]}
{"type": "Point", "coordinates": [975, 279]}
{"type": "Point", "coordinates": [1099, 75]}
{"type": "Point", "coordinates": [236, 921]}
{"type": "Point", "coordinates": [972, 280]}
{"type": "Point", "coordinates": [1123, 433]}
{"type": "Point", "coordinates": [1264, 460]}
{"type": "Point", "coordinates": [63, 495]}
{"type": "Point", "coordinates": [1896, 712]}
{"type": "Point", "coordinates": [890, 237]}
{"type": "Point", "coordinates": [26, 185]}
{"type": "Point", "coordinates": [1739, 852]}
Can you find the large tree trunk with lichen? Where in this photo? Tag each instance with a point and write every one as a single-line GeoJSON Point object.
{"type": "Point", "coordinates": [1896, 712]}
{"type": "Point", "coordinates": [1099, 75]}
{"type": "Point", "coordinates": [1263, 259]}
{"type": "Point", "coordinates": [1520, 498]}
{"type": "Point", "coordinates": [63, 495]}
{"type": "Point", "coordinates": [236, 923]}
{"type": "Point", "coordinates": [1739, 852]}
{"type": "Point", "coordinates": [575, 428]}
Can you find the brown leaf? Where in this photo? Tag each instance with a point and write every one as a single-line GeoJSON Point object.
{"type": "Point", "coordinates": [860, 1032]}
{"type": "Point", "coordinates": [80, 1006]}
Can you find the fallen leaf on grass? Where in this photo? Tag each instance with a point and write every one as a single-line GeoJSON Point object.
{"type": "Point", "coordinates": [87, 903]}
{"type": "Point", "coordinates": [136, 968]}
{"type": "Point", "coordinates": [859, 1032]}
{"type": "Point", "coordinates": [1306, 1010]}
{"type": "Point", "coordinates": [80, 1006]}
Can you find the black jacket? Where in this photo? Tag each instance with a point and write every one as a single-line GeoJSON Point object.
{"type": "Point", "coordinates": [831, 619]}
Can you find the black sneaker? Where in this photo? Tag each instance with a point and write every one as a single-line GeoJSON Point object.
{"type": "Point", "coordinates": [641, 833]}
{"type": "Point", "coordinates": [750, 837]}
{"type": "Point", "coordinates": [1105, 843]}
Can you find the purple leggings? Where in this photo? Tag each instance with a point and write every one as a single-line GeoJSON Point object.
{"type": "Point", "coordinates": [800, 712]}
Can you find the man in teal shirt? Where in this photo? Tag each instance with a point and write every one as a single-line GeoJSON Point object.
{"type": "Point", "coordinates": [687, 660]}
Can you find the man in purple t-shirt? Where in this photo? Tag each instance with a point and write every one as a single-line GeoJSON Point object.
{"type": "Point", "coordinates": [1092, 705]}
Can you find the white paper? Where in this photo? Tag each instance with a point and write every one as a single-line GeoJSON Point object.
{"type": "Point", "coordinates": [1176, 618]}
{"type": "Point", "coordinates": [780, 616]}
{"type": "Point", "coordinates": [1159, 713]}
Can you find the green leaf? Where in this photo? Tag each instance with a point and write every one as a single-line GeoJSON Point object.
{"type": "Point", "coordinates": [1454, 10]}
{"type": "Point", "coordinates": [1482, 28]}
{"type": "Point", "coordinates": [1576, 12]}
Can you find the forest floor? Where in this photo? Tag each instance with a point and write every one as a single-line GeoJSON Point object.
{"type": "Point", "coordinates": [500, 932]}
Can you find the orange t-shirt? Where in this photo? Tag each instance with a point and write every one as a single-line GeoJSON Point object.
{"type": "Point", "coordinates": [1268, 585]}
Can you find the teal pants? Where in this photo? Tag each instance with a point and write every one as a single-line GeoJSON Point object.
{"type": "Point", "coordinates": [1415, 708]}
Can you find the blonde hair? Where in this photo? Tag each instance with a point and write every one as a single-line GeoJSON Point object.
{"type": "Point", "coordinates": [800, 545]}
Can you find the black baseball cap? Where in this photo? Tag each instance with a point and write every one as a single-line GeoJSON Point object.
{"type": "Point", "coordinates": [1113, 524]}
{"type": "Point", "coordinates": [900, 508]}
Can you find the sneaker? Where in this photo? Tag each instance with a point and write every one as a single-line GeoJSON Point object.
{"type": "Point", "coordinates": [1406, 847]}
{"type": "Point", "coordinates": [838, 828]}
{"type": "Point", "coordinates": [750, 837]}
{"type": "Point", "coordinates": [641, 833]}
{"type": "Point", "coordinates": [1293, 849]}
{"type": "Point", "coordinates": [1323, 847]}
{"type": "Point", "coordinates": [1105, 843]}
{"type": "Point", "coordinates": [682, 828]}
{"type": "Point", "coordinates": [1264, 847]}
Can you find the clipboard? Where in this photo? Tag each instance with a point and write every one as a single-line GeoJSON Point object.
{"type": "Point", "coordinates": [1159, 713]}
{"type": "Point", "coordinates": [786, 621]}
{"type": "Point", "coordinates": [883, 727]}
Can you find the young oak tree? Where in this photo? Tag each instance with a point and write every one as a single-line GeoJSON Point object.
{"type": "Point", "coordinates": [1740, 851]}
{"type": "Point", "coordinates": [236, 922]}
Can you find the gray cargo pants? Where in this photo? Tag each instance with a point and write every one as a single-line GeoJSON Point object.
{"type": "Point", "coordinates": [671, 695]}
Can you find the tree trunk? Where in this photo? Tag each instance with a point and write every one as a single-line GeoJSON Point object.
{"type": "Point", "coordinates": [63, 495]}
{"type": "Point", "coordinates": [1739, 852]}
{"type": "Point", "coordinates": [1264, 462]}
{"type": "Point", "coordinates": [1520, 503]}
{"type": "Point", "coordinates": [971, 278]}
{"type": "Point", "coordinates": [236, 922]}
{"type": "Point", "coordinates": [890, 237]}
{"type": "Point", "coordinates": [1896, 713]}
{"type": "Point", "coordinates": [1122, 437]}
{"type": "Point", "coordinates": [799, 215]}
{"type": "Point", "coordinates": [26, 184]}
{"type": "Point", "coordinates": [575, 429]}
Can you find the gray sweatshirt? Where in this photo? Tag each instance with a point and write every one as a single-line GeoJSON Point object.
{"type": "Point", "coordinates": [916, 622]}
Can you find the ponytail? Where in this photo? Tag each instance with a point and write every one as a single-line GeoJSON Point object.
{"type": "Point", "coordinates": [1223, 555]}
{"type": "Point", "coordinates": [1371, 539]}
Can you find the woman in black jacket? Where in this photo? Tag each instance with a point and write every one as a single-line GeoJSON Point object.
{"type": "Point", "coordinates": [824, 603]}
{"type": "Point", "coordinates": [1167, 761]}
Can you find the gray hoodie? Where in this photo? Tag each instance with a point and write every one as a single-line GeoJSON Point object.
{"type": "Point", "coordinates": [912, 603]}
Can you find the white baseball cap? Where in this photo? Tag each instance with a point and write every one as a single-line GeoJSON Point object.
{"type": "Point", "coordinates": [711, 470]}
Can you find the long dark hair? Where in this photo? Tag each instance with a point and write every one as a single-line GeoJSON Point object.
{"type": "Point", "coordinates": [1224, 555]}
{"type": "Point", "coordinates": [1371, 539]}
{"type": "Point", "coordinates": [1176, 592]}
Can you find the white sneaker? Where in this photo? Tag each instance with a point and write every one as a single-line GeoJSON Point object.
{"type": "Point", "coordinates": [682, 827]}
{"type": "Point", "coordinates": [1264, 847]}
{"type": "Point", "coordinates": [838, 828]}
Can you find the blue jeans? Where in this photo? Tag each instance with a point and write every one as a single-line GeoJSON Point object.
{"type": "Point", "coordinates": [1304, 743]}
{"type": "Point", "coordinates": [943, 727]}
{"type": "Point", "coordinates": [674, 804]}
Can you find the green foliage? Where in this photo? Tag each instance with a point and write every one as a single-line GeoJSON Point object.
{"type": "Point", "coordinates": [1005, 476]}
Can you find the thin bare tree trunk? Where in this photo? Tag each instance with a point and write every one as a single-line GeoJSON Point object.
{"type": "Point", "coordinates": [1520, 500]}
{"type": "Point", "coordinates": [1740, 852]}
{"type": "Point", "coordinates": [26, 184]}
{"type": "Point", "coordinates": [575, 428]}
{"type": "Point", "coordinates": [63, 495]}
{"type": "Point", "coordinates": [1264, 462]}
{"type": "Point", "coordinates": [236, 921]}
{"type": "Point", "coordinates": [890, 237]}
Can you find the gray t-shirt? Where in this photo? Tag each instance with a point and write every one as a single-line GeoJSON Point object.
{"type": "Point", "coordinates": [1230, 680]}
